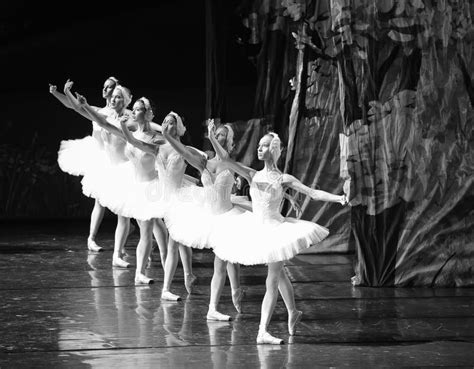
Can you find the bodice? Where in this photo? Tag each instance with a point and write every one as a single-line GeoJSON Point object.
{"type": "Point", "coordinates": [143, 162]}
{"type": "Point", "coordinates": [266, 200]}
{"type": "Point", "coordinates": [114, 145]}
{"type": "Point", "coordinates": [171, 172]}
{"type": "Point", "coordinates": [218, 190]}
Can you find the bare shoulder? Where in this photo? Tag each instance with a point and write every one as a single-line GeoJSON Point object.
{"type": "Point", "coordinates": [288, 178]}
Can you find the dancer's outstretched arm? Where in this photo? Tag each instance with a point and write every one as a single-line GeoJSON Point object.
{"type": "Point", "coordinates": [190, 154]}
{"type": "Point", "coordinates": [231, 164]}
{"type": "Point", "coordinates": [148, 147]}
{"type": "Point", "coordinates": [156, 127]}
{"type": "Point", "coordinates": [61, 97]}
{"type": "Point", "coordinates": [100, 119]}
{"type": "Point", "coordinates": [295, 184]}
{"type": "Point", "coordinates": [73, 100]}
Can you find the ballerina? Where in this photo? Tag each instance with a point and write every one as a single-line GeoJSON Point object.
{"type": "Point", "coordinates": [75, 156]}
{"type": "Point", "coordinates": [190, 219]}
{"type": "Point", "coordinates": [171, 167]}
{"type": "Point", "coordinates": [269, 238]}
{"type": "Point", "coordinates": [135, 201]}
{"type": "Point", "coordinates": [99, 180]}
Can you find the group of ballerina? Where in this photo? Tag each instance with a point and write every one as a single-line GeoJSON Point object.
{"type": "Point", "coordinates": [136, 168]}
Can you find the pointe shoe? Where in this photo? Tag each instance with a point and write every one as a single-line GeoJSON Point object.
{"type": "Point", "coordinates": [266, 338]}
{"type": "Point", "coordinates": [216, 316]}
{"type": "Point", "coordinates": [237, 296]}
{"type": "Point", "coordinates": [93, 246]}
{"type": "Point", "coordinates": [293, 319]}
{"type": "Point", "coordinates": [189, 281]}
{"type": "Point", "coordinates": [120, 263]}
{"type": "Point", "coordinates": [168, 296]}
{"type": "Point", "coordinates": [143, 279]}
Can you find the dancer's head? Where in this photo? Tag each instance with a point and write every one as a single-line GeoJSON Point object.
{"type": "Point", "coordinates": [269, 147]}
{"type": "Point", "coordinates": [225, 136]}
{"type": "Point", "coordinates": [121, 98]}
{"type": "Point", "coordinates": [142, 110]}
{"type": "Point", "coordinates": [175, 123]}
{"type": "Point", "coordinates": [109, 85]}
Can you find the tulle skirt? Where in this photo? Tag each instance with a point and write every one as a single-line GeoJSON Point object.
{"type": "Point", "coordinates": [244, 239]}
{"type": "Point", "coordinates": [117, 188]}
{"type": "Point", "coordinates": [188, 218]}
{"type": "Point", "coordinates": [76, 157]}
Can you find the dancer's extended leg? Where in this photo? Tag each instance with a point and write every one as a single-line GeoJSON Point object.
{"type": "Point", "coordinates": [96, 219]}
{"type": "Point", "coordinates": [170, 269]}
{"type": "Point", "coordinates": [143, 251]}
{"type": "Point", "coordinates": [237, 292]}
{"type": "Point", "coordinates": [186, 254]}
{"type": "Point", "coordinates": [286, 289]}
{"type": "Point", "coordinates": [268, 304]}
{"type": "Point", "coordinates": [121, 234]}
{"type": "Point", "coordinates": [161, 236]}
{"type": "Point", "coordinates": [217, 285]}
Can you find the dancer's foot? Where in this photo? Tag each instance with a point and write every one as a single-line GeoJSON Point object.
{"type": "Point", "coordinates": [167, 295]}
{"type": "Point", "coordinates": [237, 296]}
{"type": "Point", "coordinates": [293, 319]}
{"type": "Point", "coordinates": [119, 263]}
{"type": "Point", "coordinates": [267, 338]}
{"type": "Point", "coordinates": [215, 315]}
{"type": "Point", "coordinates": [142, 279]}
{"type": "Point", "coordinates": [93, 246]}
{"type": "Point", "coordinates": [189, 281]}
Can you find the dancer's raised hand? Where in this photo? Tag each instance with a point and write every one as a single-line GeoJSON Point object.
{"type": "Point", "coordinates": [211, 127]}
{"type": "Point", "coordinates": [52, 88]}
{"type": "Point", "coordinates": [81, 99]}
{"type": "Point", "coordinates": [68, 85]}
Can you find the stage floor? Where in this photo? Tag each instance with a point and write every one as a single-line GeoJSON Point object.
{"type": "Point", "coordinates": [62, 306]}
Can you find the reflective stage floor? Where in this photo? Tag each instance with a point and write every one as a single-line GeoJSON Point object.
{"type": "Point", "coordinates": [63, 307]}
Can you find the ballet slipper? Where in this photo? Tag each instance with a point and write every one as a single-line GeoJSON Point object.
{"type": "Point", "coordinates": [293, 319]}
{"type": "Point", "coordinates": [119, 263]}
{"type": "Point", "coordinates": [168, 296]}
{"type": "Point", "coordinates": [215, 315]}
{"type": "Point", "coordinates": [266, 338]}
{"type": "Point", "coordinates": [189, 281]}
{"type": "Point", "coordinates": [237, 296]}
{"type": "Point", "coordinates": [142, 279]}
{"type": "Point", "coordinates": [93, 246]}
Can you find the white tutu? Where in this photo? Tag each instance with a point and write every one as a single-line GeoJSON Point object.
{"type": "Point", "coordinates": [264, 235]}
{"type": "Point", "coordinates": [249, 241]}
{"type": "Point", "coordinates": [192, 216]}
{"type": "Point", "coordinates": [188, 219]}
{"type": "Point", "coordinates": [76, 157]}
{"type": "Point", "coordinates": [116, 187]}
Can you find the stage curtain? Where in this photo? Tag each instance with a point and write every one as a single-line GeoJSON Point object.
{"type": "Point", "coordinates": [383, 110]}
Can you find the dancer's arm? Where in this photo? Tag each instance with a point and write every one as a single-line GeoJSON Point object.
{"type": "Point", "coordinates": [61, 97]}
{"type": "Point", "coordinates": [73, 100]}
{"type": "Point", "coordinates": [231, 164]}
{"type": "Point", "coordinates": [150, 148]}
{"type": "Point", "coordinates": [156, 127]}
{"type": "Point", "coordinates": [190, 154]}
{"type": "Point", "coordinates": [100, 119]}
{"type": "Point", "coordinates": [295, 184]}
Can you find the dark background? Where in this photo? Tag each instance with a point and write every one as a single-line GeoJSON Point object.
{"type": "Point", "coordinates": [158, 50]}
